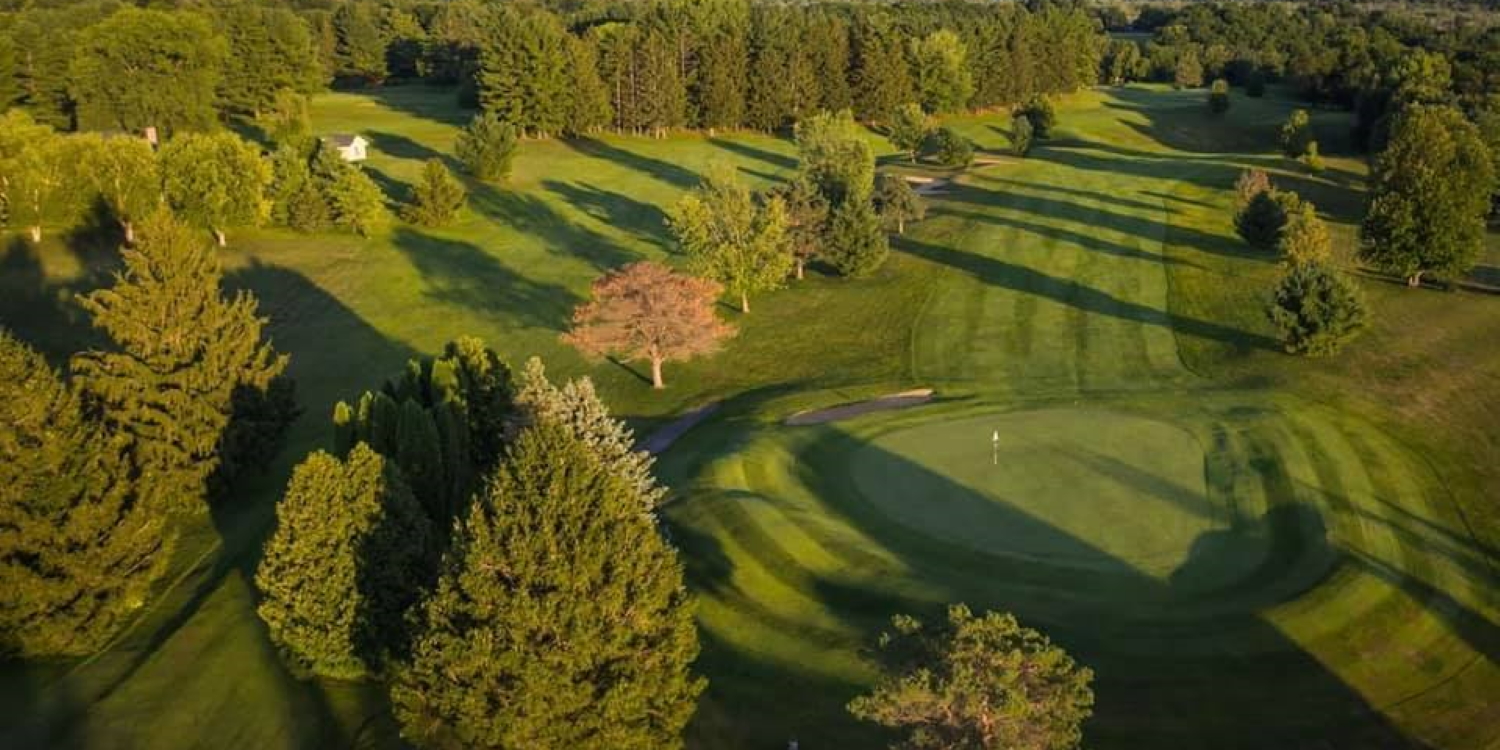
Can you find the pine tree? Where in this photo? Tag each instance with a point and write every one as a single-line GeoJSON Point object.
{"type": "Point", "coordinates": [560, 618]}
{"type": "Point", "coordinates": [577, 407]}
{"type": "Point", "coordinates": [270, 51]}
{"type": "Point", "coordinates": [730, 239]}
{"type": "Point", "coordinates": [360, 50]}
{"type": "Point", "coordinates": [350, 555]}
{"type": "Point", "coordinates": [1316, 309]}
{"type": "Point", "coordinates": [486, 147]}
{"type": "Point", "coordinates": [897, 202]}
{"type": "Point", "coordinates": [215, 181]}
{"type": "Point", "coordinates": [1042, 114]}
{"type": "Point", "coordinates": [181, 352]}
{"type": "Point", "coordinates": [523, 74]}
{"type": "Point", "coordinates": [719, 88]}
{"type": "Point", "coordinates": [297, 199]}
{"type": "Point", "coordinates": [880, 73]}
{"type": "Point", "coordinates": [589, 108]}
{"type": "Point", "coordinates": [807, 219]}
{"type": "Point", "coordinates": [856, 245]}
{"type": "Point", "coordinates": [438, 198]}
{"type": "Point", "coordinates": [1263, 218]}
{"type": "Point", "coordinates": [80, 546]}
{"type": "Point", "coordinates": [941, 66]}
{"type": "Point", "coordinates": [951, 149]}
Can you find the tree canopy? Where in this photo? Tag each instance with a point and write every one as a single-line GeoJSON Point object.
{"type": "Point", "coordinates": [730, 237]}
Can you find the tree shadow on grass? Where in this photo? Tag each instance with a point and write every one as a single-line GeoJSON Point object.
{"type": "Point", "coordinates": [436, 103]}
{"type": "Point", "coordinates": [403, 147]}
{"type": "Point", "coordinates": [43, 311]}
{"type": "Point", "coordinates": [563, 237]}
{"type": "Point", "coordinates": [462, 273]}
{"type": "Point", "coordinates": [664, 171]}
{"type": "Point", "coordinates": [780, 162]}
{"type": "Point", "coordinates": [1027, 280]}
{"type": "Point", "coordinates": [644, 220]}
{"type": "Point", "coordinates": [397, 192]}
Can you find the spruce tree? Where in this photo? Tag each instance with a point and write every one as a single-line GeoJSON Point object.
{"type": "Point", "coordinates": [856, 244]}
{"type": "Point", "coordinates": [438, 198]}
{"type": "Point", "coordinates": [361, 47]}
{"type": "Point", "coordinates": [350, 555]}
{"type": "Point", "coordinates": [807, 219]}
{"type": "Point", "coordinates": [719, 87]}
{"type": "Point", "coordinates": [486, 147]}
{"type": "Point", "coordinates": [951, 149]}
{"type": "Point", "coordinates": [181, 351]}
{"type": "Point", "coordinates": [881, 76]}
{"type": "Point", "coordinates": [523, 74]}
{"type": "Point", "coordinates": [589, 109]}
{"type": "Point", "coordinates": [80, 543]}
{"type": "Point", "coordinates": [578, 407]}
{"type": "Point", "coordinates": [560, 618]}
{"type": "Point", "coordinates": [1316, 309]}
{"type": "Point", "coordinates": [1263, 218]}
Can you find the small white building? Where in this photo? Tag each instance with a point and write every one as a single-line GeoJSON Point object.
{"type": "Point", "coordinates": [351, 148]}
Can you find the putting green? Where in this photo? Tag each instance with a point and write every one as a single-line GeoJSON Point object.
{"type": "Point", "coordinates": [1007, 483]}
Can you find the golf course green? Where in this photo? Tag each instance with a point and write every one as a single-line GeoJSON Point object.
{"type": "Point", "coordinates": [1249, 549]}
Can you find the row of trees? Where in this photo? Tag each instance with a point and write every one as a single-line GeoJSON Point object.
{"type": "Point", "coordinates": [99, 472]}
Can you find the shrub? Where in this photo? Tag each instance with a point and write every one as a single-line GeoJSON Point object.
{"type": "Point", "coordinates": [1218, 97]}
{"type": "Point", "coordinates": [1312, 160]}
{"type": "Point", "coordinates": [1042, 114]}
{"type": "Point", "coordinates": [951, 149]}
{"type": "Point", "coordinates": [1316, 309]}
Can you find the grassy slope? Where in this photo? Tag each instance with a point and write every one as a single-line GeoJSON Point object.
{"type": "Point", "coordinates": [1073, 287]}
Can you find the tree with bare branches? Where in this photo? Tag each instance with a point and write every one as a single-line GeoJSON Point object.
{"type": "Point", "coordinates": [647, 311]}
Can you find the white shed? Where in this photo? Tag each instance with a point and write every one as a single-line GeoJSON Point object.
{"type": "Point", "coordinates": [351, 148]}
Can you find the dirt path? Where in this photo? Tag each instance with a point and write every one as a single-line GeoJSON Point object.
{"type": "Point", "coordinates": [902, 400]}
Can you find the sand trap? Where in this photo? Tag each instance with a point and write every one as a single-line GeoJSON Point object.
{"type": "Point", "coordinates": [900, 400]}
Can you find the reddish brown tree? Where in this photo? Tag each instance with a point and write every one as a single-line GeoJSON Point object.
{"type": "Point", "coordinates": [647, 311]}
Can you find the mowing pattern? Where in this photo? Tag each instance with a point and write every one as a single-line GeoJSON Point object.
{"type": "Point", "coordinates": [1241, 568]}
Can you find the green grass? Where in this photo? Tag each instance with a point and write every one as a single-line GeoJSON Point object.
{"type": "Point", "coordinates": [1249, 549]}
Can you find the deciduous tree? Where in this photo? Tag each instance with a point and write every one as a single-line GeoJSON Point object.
{"type": "Point", "coordinates": [1218, 96]}
{"type": "Point", "coordinates": [1296, 134]}
{"type": "Point", "coordinates": [143, 68]}
{"type": "Point", "coordinates": [350, 555]}
{"type": "Point", "coordinates": [909, 129]}
{"type": "Point", "coordinates": [1305, 239]}
{"type": "Point", "coordinates": [897, 202]}
{"type": "Point", "coordinates": [950, 148]}
{"type": "Point", "coordinates": [729, 238]}
{"type": "Point", "coordinates": [834, 155]}
{"type": "Point", "coordinates": [1429, 195]}
{"type": "Point", "coordinates": [215, 180]}
{"type": "Point", "coordinates": [122, 172]}
{"type": "Point", "coordinates": [357, 202]}
{"type": "Point", "coordinates": [645, 311]}
{"type": "Point", "coordinates": [985, 683]}
{"type": "Point", "coordinates": [560, 618]}
{"type": "Point", "coordinates": [940, 63]}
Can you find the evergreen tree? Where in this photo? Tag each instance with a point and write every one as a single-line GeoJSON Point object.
{"type": "Point", "coordinates": [1316, 309]}
{"type": "Point", "coordinates": [1021, 135]}
{"type": "Point", "coordinates": [589, 109]}
{"type": "Point", "coordinates": [909, 129]}
{"type": "Point", "coordinates": [834, 155]}
{"type": "Point", "coordinates": [880, 72]}
{"type": "Point", "coordinates": [1042, 114]}
{"type": "Point", "coordinates": [438, 198]}
{"type": "Point", "coordinates": [350, 555]}
{"type": "Point", "coordinates": [215, 181]}
{"type": "Point", "coordinates": [897, 202]}
{"type": "Point", "coordinates": [11, 92]}
{"type": "Point", "coordinates": [270, 51]}
{"type": "Point", "coordinates": [856, 245]}
{"type": "Point", "coordinates": [419, 453]}
{"type": "Point", "coordinates": [940, 63]}
{"type": "Point", "coordinates": [951, 149]}
{"type": "Point", "coordinates": [1305, 239]}
{"type": "Point", "coordinates": [1261, 222]}
{"type": "Point", "coordinates": [1430, 193]}
{"type": "Point", "coordinates": [80, 546]}
{"type": "Point", "coordinates": [1487, 122]}
{"type": "Point", "coordinates": [1251, 182]}
{"type": "Point", "coordinates": [147, 68]}
{"type": "Point", "coordinates": [486, 147]}
{"type": "Point", "coordinates": [181, 352]}
{"type": "Point", "coordinates": [730, 239]}
{"type": "Point", "coordinates": [360, 48]}
{"type": "Point", "coordinates": [577, 407]}
{"type": "Point", "coordinates": [661, 93]}
{"type": "Point", "coordinates": [560, 618]}
{"type": "Point", "coordinates": [807, 219]}
{"type": "Point", "coordinates": [719, 87]}
{"type": "Point", "coordinates": [286, 118]}
{"type": "Point", "coordinates": [1218, 96]}
{"type": "Point", "coordinates": [985, 683]}
{"type": "Point", "coordinates": [523, 72]}
{"type": "Point", "coordinates": [297, 199]}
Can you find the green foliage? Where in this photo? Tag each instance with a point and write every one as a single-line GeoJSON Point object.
{"type": "Point", "coordinates": [443, 421]}
{"type": "Point", "coordinates": [438, 198]}
{"type": "Point", "coordinates": [1218, 96]}
{"type": "Point", "coordinates": [729, 238]}
{"type": "Point", "coordinates": [882, 77]}
{"type": "Point", "coordinates": [1312, 160]}
{"type": "Point", "coordinates": [486, 147]}
{"type": "Point", "coordinates": [1296, 134]}
{"type": "Point", "coordinates": [834, 155]}
{"type": "Point", "coordinates": [589, 108]}
{"type": "Point", "coordinates": [80, 546]}
{"type": "Point", "coordinates": [350, 555]}
{"type": "Point", "coordinates": [360, 51]}
{"type": "Point", "coordinates": [523, 72]}
{"type": "Point", "coordinates": [950, 148]}
{"type": "Point", "coordinates": [1429, 195]}
{"type": "Point", "coordinates": [215, 180]}
{"type": "Point", "coordinates": [1261, 221]}
{"type": "Point", "coordinates": [1021, 135]}
{"type": "Point", "coordinates": [978, 682]}
{"type": "Point", "coordinates": [357, 203]}
{"type": "Point", "coordinates": [1042, 114]}
{"type": "Point", "coordinates": [577, 408]}
{"type": "Point", "coordinates": [147, 68]}
{"type": "Point", "coordinates": [297, 198]}
{"type": "Point", "coordinates": [270, 56]}
{"type": "Point", "coordinates": [807, 220]}
{"type": "Point", "coordinates": [285, 118]}
{"type": "Point", "coordinates": [122, 173]}
{"type": "Point", "coordinates": [909, 129]}
{"type": "Point", "coordinates": [1305, 238]}
{"type": "Point", "coordinates": [856, 244]}
{"type": "Point", "coordinates": [1123, 63]}
{"type": "Point", "coordinates": [560, 618]}
{"type": "Point", "coordinates": [1188, 72]}
{"type": "Point", "coordinates": [40, 170]}
{"type": "Point", "coordinates": [181, 352]}
{"type": "Point", "coordinates": [1316, 309]}
{"type": "Point", "coordinates": [897, 202]}
{"type": "Point", "coordinates": [940, 67]}
{"type": "Point", "coordinates": [1487, 122]}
